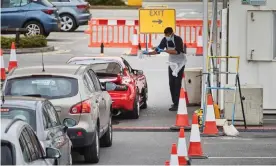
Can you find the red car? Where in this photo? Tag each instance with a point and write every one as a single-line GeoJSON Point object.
{"type": "Point", "coordinates": [130, 91]}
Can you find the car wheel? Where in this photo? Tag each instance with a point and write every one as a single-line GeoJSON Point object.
{"type": "Point", "coordinates": [106, 140]}
{"type": "Point", "coordinates": [135, 113]}
{"type": "Point", "coordinates": [145, 98]}
{"type": "Point", "coordinates": [68, 23]}
{"type": "Point", "coordinates": [75, 28]}
{"type": "Point", "coordinates": [34, 28]}
{"type": "Point", "coordinates": [92, 152]}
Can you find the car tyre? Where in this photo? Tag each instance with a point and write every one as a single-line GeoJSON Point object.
{"type": "Point", "coordinates": [68, 23]}
{"type": "Point", "coordinates": [135, 113]}
{"type": "Point", "coordinates": [34, 28]}
{"type": "Point", "coordinates": [92, 152]}
{"type": "Point", "coordinates": [106, 140]}
{"type": "Point", "coordinates": [145, 98]}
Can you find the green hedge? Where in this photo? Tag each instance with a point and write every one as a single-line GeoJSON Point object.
{"type": "Point", "coordinates": [24, 42]}
{"type": "Point", "coordinates": [107, 2]}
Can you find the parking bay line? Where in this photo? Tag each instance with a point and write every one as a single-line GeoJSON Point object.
{"type": "Point", "coordinates": [241, 157]}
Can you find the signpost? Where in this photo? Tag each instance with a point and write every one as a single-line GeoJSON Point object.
{"type": "Point", "coordinates": [154, 21]}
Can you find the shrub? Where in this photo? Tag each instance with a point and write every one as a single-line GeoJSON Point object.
{"type": "Point", "coordinates": [107, 2]}
{"type": "Point", "coordinates": [24, 42]}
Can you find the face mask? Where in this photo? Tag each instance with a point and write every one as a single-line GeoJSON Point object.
{"type": "Point", "coordinates": [169, 38]}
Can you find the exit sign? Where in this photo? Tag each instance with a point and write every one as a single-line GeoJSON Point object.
{"type": "Point", "coordinates": [254, 2]}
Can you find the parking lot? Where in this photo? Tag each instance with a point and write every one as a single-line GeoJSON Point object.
{"type": "Point", "coordinates": [147, 140]}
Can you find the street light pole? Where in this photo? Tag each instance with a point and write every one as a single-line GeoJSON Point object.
{"type": "Point", "coordinates": [205, 49]}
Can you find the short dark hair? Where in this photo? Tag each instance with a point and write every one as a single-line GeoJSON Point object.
{"type": "Point", "coordinates": [168, 30]}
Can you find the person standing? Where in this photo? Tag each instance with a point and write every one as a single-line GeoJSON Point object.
{"type": "Point", "coordinates": [177, 61]}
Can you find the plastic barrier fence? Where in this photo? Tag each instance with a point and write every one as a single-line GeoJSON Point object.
{"type": "Point", "coordinates": [118, 33]}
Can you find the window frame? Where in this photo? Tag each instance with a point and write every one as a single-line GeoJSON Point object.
{"type": "Point", "coordinates": [95, 80]}
{"type": "Point", "coordinates": [53, 115]}
{"type": "Point", "coordinates": [90, 82]}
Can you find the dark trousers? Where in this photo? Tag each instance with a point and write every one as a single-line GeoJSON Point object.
{"type": "Point", "coordinates": [175, 85]}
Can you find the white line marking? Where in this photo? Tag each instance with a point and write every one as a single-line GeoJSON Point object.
{"type": "Point", "coordinates": [242, 157]}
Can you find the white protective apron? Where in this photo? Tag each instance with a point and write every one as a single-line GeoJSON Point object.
{"type": "Point", "coordinates": [176, 66]}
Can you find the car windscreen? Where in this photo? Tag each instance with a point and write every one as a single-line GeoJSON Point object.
{"type": "Point", "coordinates": [7, 154]}
{"type": "Point", "coordinates": [50, 87]}
{"type": "Point", "coordinates": [27, 115]}
{"type": "Point", "coordinates": [101, 66]}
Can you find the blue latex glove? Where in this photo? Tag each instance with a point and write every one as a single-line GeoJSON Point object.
{"type": "Point", "coordinates": [145, 52]}
{"type": "Point", "coordinates": [160, 50]}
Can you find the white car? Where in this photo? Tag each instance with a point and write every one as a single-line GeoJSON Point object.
{"type": "Point", "coordinates": [20, 145]}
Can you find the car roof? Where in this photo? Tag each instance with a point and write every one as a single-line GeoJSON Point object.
{"type": "Point", "coordinates": [61, 70]}
{"type": "Point", "coordinates": [114, 58]}
{"type": "Point", "coordinates": [21, 102]}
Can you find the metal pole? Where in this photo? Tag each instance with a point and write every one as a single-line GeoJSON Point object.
{"type": "Point", "coordinates": [215, 37]}
{"type": "Point", "coordinates": [205, 49]}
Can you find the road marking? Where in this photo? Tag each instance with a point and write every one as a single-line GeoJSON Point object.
{"type": "Point", "coordinates": [242, 157]}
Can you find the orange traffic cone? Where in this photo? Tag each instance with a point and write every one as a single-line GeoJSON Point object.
{"type": "Point", "coordinates": [3, 72]}
{"type": "Point", "coordinates": [167, 163]}
{"type": "Point", "coordinates": [135, 46]}
{"type": "Point", "coordinates": [182, 148]}
{"type": "Point", "coordinates": [182, 119]}
{"type": "Point", "coordinates": [210, 128]}
{"type": "Point", "coordinates": [13, 61]}
{"type": "Point", "coordinates": [199, 48]}
{"type": "Point", "coordinates": [174, 157]}
{"type": "Point", "coordinates": [185, 88]}
{"type": "Point", "coordinates": [195, 149]}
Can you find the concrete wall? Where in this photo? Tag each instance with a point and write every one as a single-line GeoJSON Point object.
{"type": "Point", "coordinates": [251, 72]}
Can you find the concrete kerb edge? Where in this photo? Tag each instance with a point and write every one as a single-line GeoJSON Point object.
{"type": "Point", "coordinates": [30, 50]}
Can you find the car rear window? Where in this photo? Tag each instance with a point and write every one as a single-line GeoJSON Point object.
{"type": "Point", "coordinates": [7, 154]}
{"type": "Point", "coordinates": [101, 66]}
{"type": "Point", "coordinates": [44, 3]}
{"type": "Point", "coordinates": [50, 87]}
{"type": "Point", "coordinates": [27, 115]}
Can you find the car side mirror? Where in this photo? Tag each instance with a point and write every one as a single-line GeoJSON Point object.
{"type": "Point", "coordinates": [109, 86]}
{"type": "Point", "coordinates": [52, 153]}
{"type": "Point", "coordinates": [138, 72]}
{"type": "Point", "coordinates": [69, 122]}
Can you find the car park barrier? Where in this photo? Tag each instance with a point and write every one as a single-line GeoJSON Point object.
{"type": "Point", "coordinates": [13, 60]}
{"type": "Point", "coordinates": [118, 33]}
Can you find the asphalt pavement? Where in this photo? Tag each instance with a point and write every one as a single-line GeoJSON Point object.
{"type": "Point", "coordinates": [149, 147]}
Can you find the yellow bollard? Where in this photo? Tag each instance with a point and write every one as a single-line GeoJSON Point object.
{"type": "Point", "coordinates": [217, 111]}
{"type": "Point", "coordinates": [134, 3]}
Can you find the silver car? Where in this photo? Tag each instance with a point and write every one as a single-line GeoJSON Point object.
{"type": "Point", "coordinates": [43, 118]}
{"type": "Point", "coordinates": [76, 93]}
{"type": "Point", "coordinates": [73, 13]}
{"type": "Point", "coordinates": [20, 145]}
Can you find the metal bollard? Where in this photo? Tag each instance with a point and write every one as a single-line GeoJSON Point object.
{"type": "Point", "coordinates": [102, 49]}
